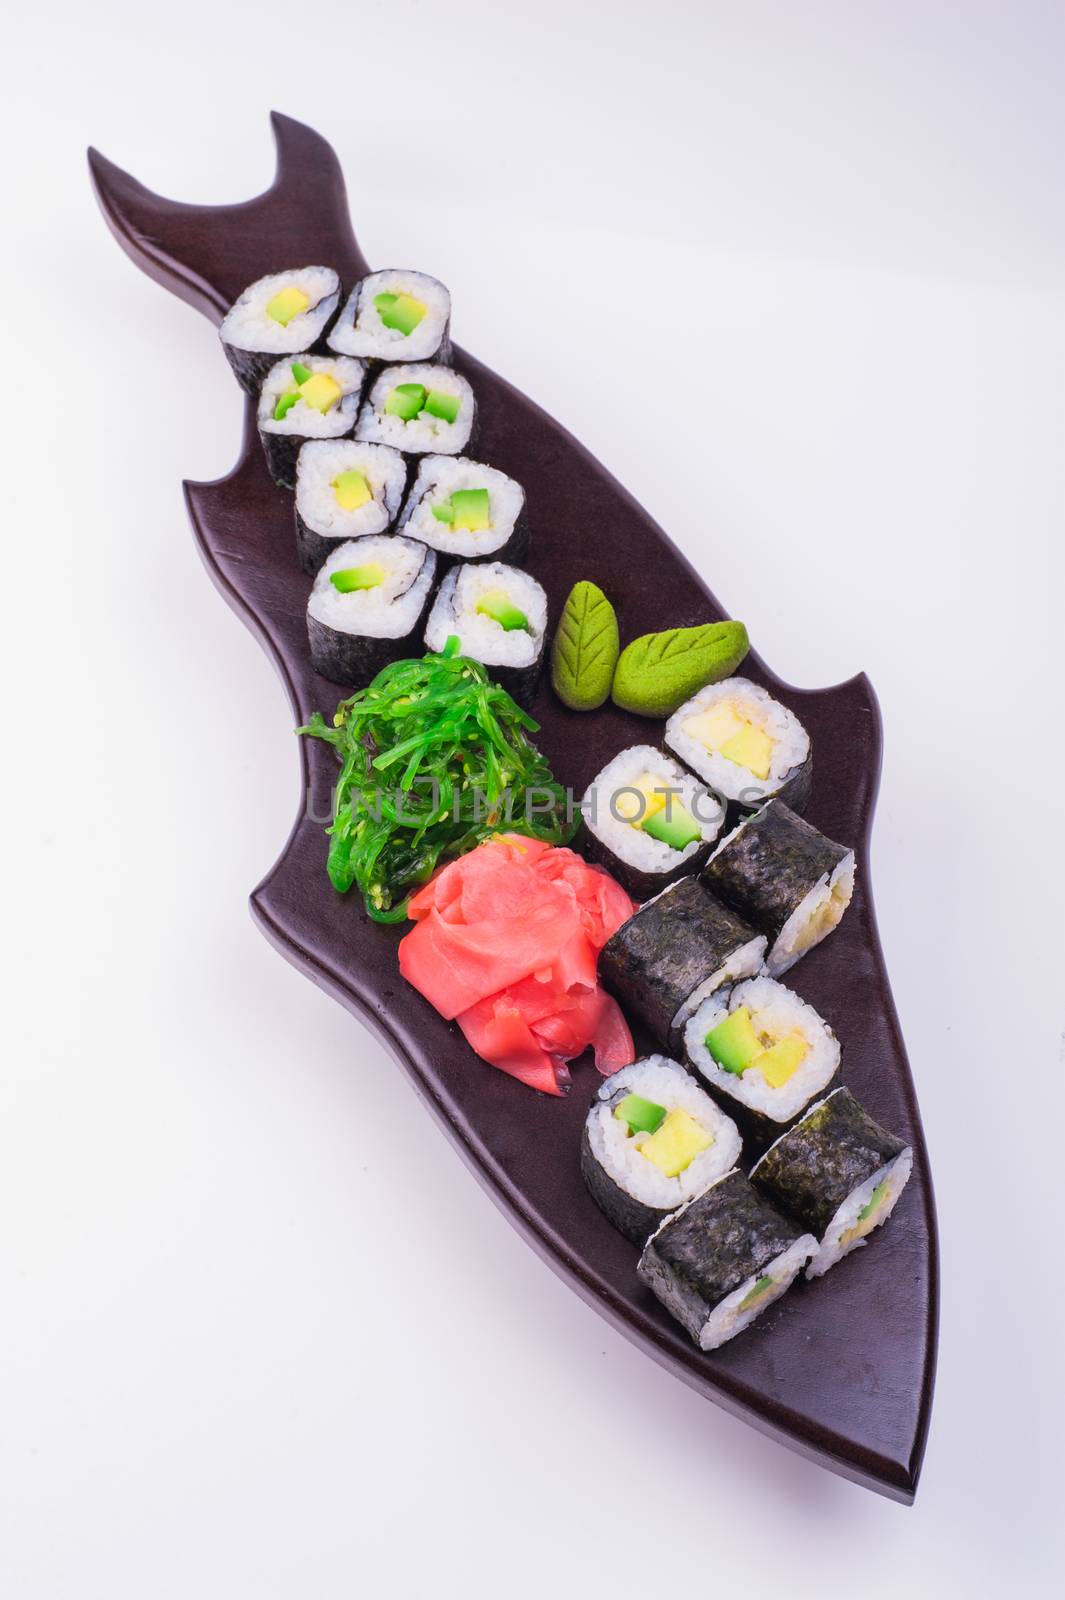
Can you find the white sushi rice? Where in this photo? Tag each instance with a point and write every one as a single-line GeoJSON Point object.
{"type": "Point", "coordinates": [308, 420]}
{"type": "Point", "coordinates": [359, 330]}
{"type": "Point", "coordinates": [775, 1011]}
{"type": "Point", "coordinates": [727, 1319]}
{"type": "Point", "coordinates": [437, 479]}
{"type": "Point", "coordinates": [320, 463]}
{"type": "Point", "coordinates": [667, 1084]}
{"type": "Point", "coordinates": [389, 610]}
{"type": "Point", "coordinates": [614, 785]}
{"type": "Point", "coordinates": [422, 433]}
{"type": "Point", "coordinates": [247, 326]}
{"type": "Point", "coordinates": [791, 742]}
{"type": "Point", "coordinates": [814, 917]}
{"type": "Point", "coordinates": [455, 612]}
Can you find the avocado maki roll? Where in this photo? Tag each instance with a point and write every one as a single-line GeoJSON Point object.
{"type": "Point", "coordinates": [499, 615]}
{"type": "Point", "coordinates": [647, 821]}
{"type": "Point", "coordinates": [466, 511]}
{"type": "Point", "coordinates": [722, 1259]}
{"type": "Point", "coordinates": [763, 1050]}
{"type": "Point", "coordinates": [786, 878]}
{"type": "Point", "coordinates": [838, 1173]}
{"type": "Point", "coordinates": [284, 314]}
{"type": "Point", "coordinates": [421, 410]}
{"type": "Point", "coordinates": [395, 315]}
{"type": "Point", "coordinates": [316, 397]}
{"type": "Point", "coordinates": [344, 490]}
{"type": "Point", "coordinates": [673, 952]}
{"type": "Point", "coordinates": [653, 1139]}
{"type": "Point", "coordinates": [744, 744]}
{"type": "Point", "coordinates": [367, 606]}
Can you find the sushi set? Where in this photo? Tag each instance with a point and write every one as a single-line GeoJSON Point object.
{"type": "Point", "coordinates": [596, 877]}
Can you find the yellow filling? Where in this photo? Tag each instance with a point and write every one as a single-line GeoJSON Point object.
{"type": "Point", "coordinates": [638, 807]}
{"type": "Point", "coordinates": [351, 490]}
{"type": "Point", "coordinates": [824, 919]}
{"type": "Point", "coordinates": [286, 304]}
{"type": "Point", "coordinates": [867, 1223]}
{"type": "Point", "coordinates": [782, 1060]}
{"type": "Point", "coordinates": [321, 392]}
{"type": "Point", "coordinates": [676, 1144]}
{"type": "Point", "coordinates": [725, 729]}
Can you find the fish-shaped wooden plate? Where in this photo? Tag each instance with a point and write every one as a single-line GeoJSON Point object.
{"type": "Point", "coordinates": [841, 1369]}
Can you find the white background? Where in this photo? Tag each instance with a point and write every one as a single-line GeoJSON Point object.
{"type": "Point", "coordinates": [262, 1334]}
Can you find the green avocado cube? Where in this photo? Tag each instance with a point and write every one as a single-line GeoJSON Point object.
{"type": "Point", "coordinates": [300, 373]}
{"type": "Point", "coordinates": [440, 404]}
{"type": "Point", "coordinates": [470, 509]}
{"type": "Point", "coordinates": [734, 1044]}
{"type": "Point", "coordinates": [405, 401]}
{"type": "Point", "coordinates": [400, 312]}
{"type": "Point", "coordinates": [674, 825]}
{"type": "Point", "coordinates": [755, 1294]}
{"type": "Point", "coordinates": [352, 578]}
{"type": "Point", "coordinates": [285, 404]}
{"type": "Point", "coordinates": [444, 511]}
{"type": "Point", "coordinates": [495, 603]}
{"type": "Point", "coordinates": [642, 1116]}
{"type": "Point", "coordinates": [874, 1201]}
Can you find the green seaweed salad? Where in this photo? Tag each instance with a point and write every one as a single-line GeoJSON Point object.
{"type": "Point", "coordinates": [434, 757]}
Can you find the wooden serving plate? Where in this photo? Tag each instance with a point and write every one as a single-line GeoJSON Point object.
{"type": "Point", "coordinates": [842, 1369]}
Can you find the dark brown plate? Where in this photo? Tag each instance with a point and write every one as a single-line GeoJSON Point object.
{"type": "Point", "coordinates": [841, 1369]}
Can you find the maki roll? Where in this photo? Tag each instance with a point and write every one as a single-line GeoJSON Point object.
{"type": "Point", "coordinates": [652, 1140]}
{"type": "Point", "coordinates": [839, 1173]}
{"type": "Point", "coordinates": [743, 743]}
{"type": "Point", "coordinates": [284, 314]}
{"type": "Point", "coordinates": [762, 1049]}
{"type": "Point", "coordinates": [673, 952]}
{"type": "Point", "coordinates": [395, 315]}
{"type": "Point", "coordinates": [786, 878]}
{"type": "Point", "coordinates": [344, 490]}
{"type": "Point", "coordinates": [466, 511]}
{"type": "Point", "coordinates": [420, 410]}
{"type": "Point", "coordinates": [367, 605]}
{"type": "Point", "coordinates": [647, 821]}
{"type": "Point", "coordinates": [316, 397]}
{"type": "Point", "coordinates": [722, 1259]}
{"type": "Point", "coordinates": [499, 615]}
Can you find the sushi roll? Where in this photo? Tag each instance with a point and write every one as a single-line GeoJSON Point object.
{"type": "Point", "coordinates": [673, 952]}
{"type": "Point", "coordinates": [647, 821]}
{"type": "Point", "coordinates": [786, 878]}
{"type": "Point", "coordinates": [367, 606]}
{"type": "Point", "coordinates": [838, 1173]}
{"type": "Point", "coordinates": [652, 1140]}
{"type": "Point", "coordinates": [420, 410]}
{"type": "Point", "coordinates": [722, 1259]}
{"type": "Point", "coordinates": [284, 314]}
{"type": "Point", "coordinates": [395, 315]}
{"type": "Point", "coordinates": [316, 397]}
{"type": "Point", "coordinates": [762, 1050]}
{"type": "Point", "coordinates": [499, 615]}
{"type": "Point", "coordinates": [466, 511]}
{"type": "Point", "coordinates": [744, 744]}
{"type": "Point", "coordinates": [344, 490]}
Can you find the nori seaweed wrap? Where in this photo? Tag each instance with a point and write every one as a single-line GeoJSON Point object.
{"type": "Point", "coordinates": [838, 1173]}
{"type": "Point", "coordinates": [791, 882]}
{"type": "Point", "coordinates": [651, 1140]}
{"type": "Point", "coordinates": [675, 950]}
{"type": "Point", "coordinates": [722, 1259]}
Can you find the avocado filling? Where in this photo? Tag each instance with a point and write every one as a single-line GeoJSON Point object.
{"type": "Point", "coordinates": [400, 312]}
{"type": "Point", "coordinates": [736, 1044]}
{"type": "Point", "coordinates": [725, 729]}
{"type": "Point", "coordinates": [286, 304]}
{"type": "Point", "coordinates": [351, 490]}
{"type": "Point", "coordinates": [405, 401]}
{"type": "Point", "coordinates": [495, 603]}
{"type": "Point", "coordinates": [316, 389]}
{"type": "Point", "coordinates": [753, 1295]}
{"type": "Point", "coordinates": [354, 578]}
{"type": "Point", "coordinates": [675, 1144]}
{"type": "Point", "coordinates": [440, 404]}
{"type": "Point", "coordinates": [640, 1115]}
{"type": "Point", "coordinates": [868, 1216]}
{"type": "Point", "coordinates": [650, 804]}
{"type": "Point", "coordinates": [466, 510]}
